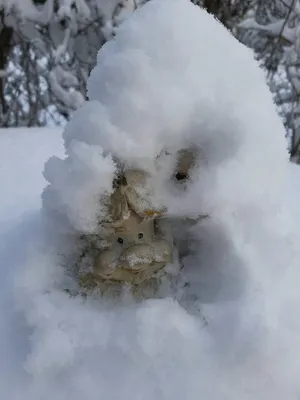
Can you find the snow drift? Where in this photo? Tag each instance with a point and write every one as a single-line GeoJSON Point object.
{"type": "Point", "coordinates": [172, 78]}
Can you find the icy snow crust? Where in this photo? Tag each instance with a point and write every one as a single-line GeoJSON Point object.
{"type": "Point", "coordinates": [172, 78]}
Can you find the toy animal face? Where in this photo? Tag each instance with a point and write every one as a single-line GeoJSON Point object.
{"type": "Point", "coordinates": [134, 229]}
{"type": "Point", "coordinates": [136, 251]}
{"type": "Point", "coordinates": [135, 248]}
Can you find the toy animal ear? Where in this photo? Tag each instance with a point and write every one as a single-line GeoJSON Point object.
{"type": "Point", "coordinates": [118, 207]}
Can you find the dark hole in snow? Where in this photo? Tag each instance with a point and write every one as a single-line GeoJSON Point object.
{"type": "Point", "coordinates": [180, 176]}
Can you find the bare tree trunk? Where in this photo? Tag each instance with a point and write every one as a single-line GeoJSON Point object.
{"type": "Point", "coordinates": [6, 34]}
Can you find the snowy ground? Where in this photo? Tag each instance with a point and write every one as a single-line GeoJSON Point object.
{"type": "Point", "coordinates": [23, 153]}
{"type": "Point", "coordinates": [243, 267]}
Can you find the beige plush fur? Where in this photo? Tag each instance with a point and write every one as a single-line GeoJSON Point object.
{"type": "Point", "coordinates": [136, 248]}
{"type": "Point", "coordinates": [137, 251]}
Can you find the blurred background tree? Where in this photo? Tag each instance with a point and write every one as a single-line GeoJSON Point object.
{"type": "Point", "coordinates": [48, 48]}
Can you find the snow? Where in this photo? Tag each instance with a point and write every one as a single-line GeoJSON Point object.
{"type": "Point", "coordinates": [154, 350]}
{"type": "Point", "coordinates": [275, 29]}
{"type": "Point", "coordinates": [27, 9]}
{"type": "Point", "coordinates": [71, 99]}
{"type": "Point", "coordinates": [234, 332]}
{"type": "Point", "coordinates": [23, 154]}
{"type": "Point", "coordinates": [26, 183]}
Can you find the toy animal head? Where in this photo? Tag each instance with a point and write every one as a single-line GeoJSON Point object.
{"type": "Point", "coordinates": [136, 248]}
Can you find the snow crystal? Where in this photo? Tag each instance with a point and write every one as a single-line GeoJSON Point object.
{"type": "Point", "coordinates": [172, 78]}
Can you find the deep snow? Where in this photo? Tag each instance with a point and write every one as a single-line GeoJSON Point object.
{"type": "Point", "coordinates": [244, 342]}
{"type": "Point", "coordinates": [169, 337]}
{"type": "Point", "coordinates": [23, 154]}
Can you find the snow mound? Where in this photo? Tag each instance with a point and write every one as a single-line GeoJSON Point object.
{"type": "Point", "coordinates": [167, 82]}
{"type": "Point", "coordinates": [159, 86]}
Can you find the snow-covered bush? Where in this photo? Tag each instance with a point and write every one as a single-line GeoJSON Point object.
{"type": "Point", "coordinates": [272, 29]}
{"type": "Point", "coordinates": [49, 48]}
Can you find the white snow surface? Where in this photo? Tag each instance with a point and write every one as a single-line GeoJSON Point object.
{"type": "Point", "coordinates": [172, 78]}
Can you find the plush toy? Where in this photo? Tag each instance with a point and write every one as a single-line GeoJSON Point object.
{"type": "Point", "coordinates": [137, 245]}
{"type": "Point", "coordinates": [138, 248]}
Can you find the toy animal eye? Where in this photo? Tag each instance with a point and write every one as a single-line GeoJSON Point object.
{"type": "Point", "coordinates": [120, 240]}
{"type": "Point", "coordinates": [141, 235]}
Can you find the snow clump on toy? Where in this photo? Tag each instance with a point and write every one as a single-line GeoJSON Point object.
{"type": "Point", "coordinates": [158, 86]}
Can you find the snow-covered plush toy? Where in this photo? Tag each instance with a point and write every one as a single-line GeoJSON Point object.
{"type": "Point", "coordinates": [136, 241]}
{"type": "Point", "coordinates": [136, 248]}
